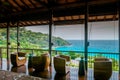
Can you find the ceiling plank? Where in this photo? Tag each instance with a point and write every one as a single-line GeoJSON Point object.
{"type": "Point", "coordinates": [32, 3]}
{"type": "Point", "coordinates": [18, 4]}
{"type": "Point", "coordinates": [43, 3]}
{"type": "Point", "coordinates": [25, 4]}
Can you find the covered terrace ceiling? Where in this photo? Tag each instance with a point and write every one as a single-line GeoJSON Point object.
{"type": "Point", "coordinates": [38, 12]}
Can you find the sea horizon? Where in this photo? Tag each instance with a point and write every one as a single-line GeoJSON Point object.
{"type": "Point", "coordinates": [108, 48]}
{"type": "Point", "coordinates": [94, 46]}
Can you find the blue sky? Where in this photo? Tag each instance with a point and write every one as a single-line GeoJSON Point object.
{"type": "Point", "coordinates": [96, 31]}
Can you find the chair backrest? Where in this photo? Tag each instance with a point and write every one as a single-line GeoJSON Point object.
{"type": "Point", "coordinates": [102, 68]}
{"type": "Point", "coordinates": [45, 59]}
{"type": "Point", "coordinates": [60, 65]}
{"type": "Point", "coordinates": [36, 60]}
{"type": "Point", "coordinates": [41, 62]}
{"type": "Point", "coordinates": [101, 59]}
{"type": "Point", "coordinates": [21, 54]}
{"type": "Point", "coordinates": [66, 57]}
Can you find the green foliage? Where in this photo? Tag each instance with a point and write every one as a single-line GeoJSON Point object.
{"type": "Point", "coordinates": [29, 39]}
{"type": "Point", "coordinates": [74, 55]}
{"type": "Point", "coordinates": [115, 65]}
{"type": "Point", "coordinates": [74, 64]}
{"type": "Point", "coordinates": [99, 55]}
{"type": "Point", "coordinates": [57, 41]}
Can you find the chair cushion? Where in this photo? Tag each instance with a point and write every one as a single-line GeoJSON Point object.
{"type": "Point", "coordinates": [21, 58]}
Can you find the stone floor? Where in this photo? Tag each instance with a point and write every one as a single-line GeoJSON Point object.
{"type": "Point", "coordinates": [8, 75]}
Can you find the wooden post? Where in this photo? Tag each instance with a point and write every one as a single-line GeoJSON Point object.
{"type": "Point", "coordinates": [86, 34]}
{"type": "Point", "coordinates": [18, 44]}
{"type": "Point", "coordinates": [8, 44]}
{"type": "Point", "coordinates": [50, 34]}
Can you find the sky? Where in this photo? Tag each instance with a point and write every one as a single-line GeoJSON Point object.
{"type": "Point", "coordinates": [96, 31]}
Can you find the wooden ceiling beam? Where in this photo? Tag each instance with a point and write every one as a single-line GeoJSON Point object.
{"type": "Point", "coordinates": [43, 14]}
{"type": "Point", "coordinates": [65, 22]}
{"type": "Point", "coordinates": [25, 4]}
{"type": "Point", "coordinates": [32, 3]}
{"type": "Point", "coordinates": [68, 11]}
{"type": "Point", "coordinates": [2, 25]}
{"type": "Point", "coordinates": [42, 3]}
{"type": "Point", "coordinates": [68, 22]}
{"type": "Point", "coordinates": [21, 23]}
{"type": "Point", "coordinates": [13, 7]}
{"type": "Point", "coordinates": [18, 4]}
{"type": "Point", "coordinates": [79, 3]}
{"type": "Point", "coordinates": [96, 2]}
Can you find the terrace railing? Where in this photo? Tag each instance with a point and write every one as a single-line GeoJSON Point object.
{"type": "Point", "coordinates": [75, 56]}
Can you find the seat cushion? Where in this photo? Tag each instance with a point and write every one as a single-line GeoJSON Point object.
{"type": "Point", "coordinates": [21, 58]}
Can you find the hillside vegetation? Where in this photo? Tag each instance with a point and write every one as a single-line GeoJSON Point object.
{"type": "Point", "coordinates": [29, 39]}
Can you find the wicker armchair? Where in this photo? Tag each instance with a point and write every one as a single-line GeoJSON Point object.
{"type": "Point", "coordinates": [18, 59]}
{"type": "Point", "coordinates": [61, 64]}
{"type": "Point", "coordinates": [102, 68]}
{"type": "Point", "coordinates": [40, 63]}
{"type": "Point", "coordinates": [20, 69]}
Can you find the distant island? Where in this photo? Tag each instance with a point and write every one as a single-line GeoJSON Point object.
{"type": "Point", "coordinates": [29, 39]}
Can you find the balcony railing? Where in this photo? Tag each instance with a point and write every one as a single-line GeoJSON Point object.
{"type": "Point", "coordinates": [75, 56]}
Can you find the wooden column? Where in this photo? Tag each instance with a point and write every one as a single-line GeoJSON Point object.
{"type": "Point", "coordinates": [18, 44]}
{"type": "Point", "coordinates": [50, 34]}
{"type": "Point", "coordinates": [86, 34]}
{"type": "Point", "coordinates": [8, 44]}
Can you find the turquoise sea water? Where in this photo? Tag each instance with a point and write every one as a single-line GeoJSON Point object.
{"type": "Point", "coordinates": [94, 46]}
{"type": "Point", "coordinates": [98, 46]}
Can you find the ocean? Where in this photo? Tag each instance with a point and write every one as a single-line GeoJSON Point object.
{"type": "Point", "coordinates": [95, 46]}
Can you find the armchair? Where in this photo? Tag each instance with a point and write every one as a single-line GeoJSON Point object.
{"type": "Point", "coordinates": [61, 64]}
{"type": "Point", "coordinates": [102, 68]}
{"type": "Point", "coordinates": [18, 59]}
{"type": "Point", "coordinates": [40, 63]}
